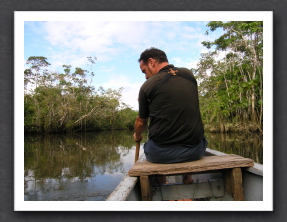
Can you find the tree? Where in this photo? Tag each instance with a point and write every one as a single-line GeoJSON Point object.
{"type": "Point", "coordinates": [66, 102]}
{"type": "Point", "coordinates": [238, 77]}
{"type": "Point", "coordinates": [33, 74]}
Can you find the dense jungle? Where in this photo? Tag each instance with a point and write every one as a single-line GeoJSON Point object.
{"type": "Point", "coordinates": [229, 76]}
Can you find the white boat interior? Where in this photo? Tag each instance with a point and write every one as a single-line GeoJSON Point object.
{"type": "Point", "coordinates": [208, 186]}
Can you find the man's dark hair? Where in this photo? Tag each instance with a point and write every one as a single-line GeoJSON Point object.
{"type": "Point", "coordinates": [154, 53]}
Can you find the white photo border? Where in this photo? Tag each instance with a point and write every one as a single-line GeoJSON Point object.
{"type": "Point", "coordinates": [22, 16]}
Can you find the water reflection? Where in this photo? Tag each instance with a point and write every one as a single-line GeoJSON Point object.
{"type": "Point", "coordinates": [247, 145]}
{"type": "Point", "coordinates": [89, 166]}
{"type": "Point", "coordinates": [79, 167]}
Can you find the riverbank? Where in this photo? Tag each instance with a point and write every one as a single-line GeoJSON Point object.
{"type": "Point", "coordinates": [211, 128]}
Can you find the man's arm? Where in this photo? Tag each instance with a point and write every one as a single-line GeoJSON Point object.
{"type": "Point", "coordinates": [140, 126]}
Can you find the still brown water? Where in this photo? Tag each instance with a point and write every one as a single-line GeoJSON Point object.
{"type": "Point", "coordinates": [89, 166]}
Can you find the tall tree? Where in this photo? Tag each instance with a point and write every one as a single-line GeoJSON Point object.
{"type": "Point", "coordinates": [33, 74]}
{"type": "Point", "coordinates": [239, 75]}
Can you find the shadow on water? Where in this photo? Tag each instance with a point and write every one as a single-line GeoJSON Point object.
{"type": "Point", "coordinates": [89, 166]}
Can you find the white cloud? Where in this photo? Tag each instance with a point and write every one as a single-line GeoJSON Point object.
{"type": "Point", "coordinates": [130, 95]}
{"type": "Point", "coordinates": [105, 39]}
{"type": "Point", "coordinates": [99, 37]}
{"type": "Point", "coordinates": [117, 46]}
{"type": "Point", "coordinates": [192, 64]}
{"type": "Point", "coordinates": [130, 91]}
{"type": "Point", "coordinates": [184, 62]}
{"type": "Point", "coordinates": [221, 54]}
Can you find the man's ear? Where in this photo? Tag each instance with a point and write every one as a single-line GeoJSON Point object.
{"type": "Point", "coordinates": [151, 61]}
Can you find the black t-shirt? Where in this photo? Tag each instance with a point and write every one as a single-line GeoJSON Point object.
{"type": "Point", "coordinates": [174, 110]}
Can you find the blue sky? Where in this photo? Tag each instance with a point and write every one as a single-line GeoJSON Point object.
{"type": "Point", "coordinates": [117, 46]}
{"type": "Point", "coordinates": [117, 40]}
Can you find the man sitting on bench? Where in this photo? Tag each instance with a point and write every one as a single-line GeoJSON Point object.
{"type": "Point", "coordinates": [169, 100]}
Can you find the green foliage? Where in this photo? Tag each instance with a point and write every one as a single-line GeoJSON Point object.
{"type": "Point", "coordinates": [231, 89]}
{"type": "Point", "coordinates": [65, 102]}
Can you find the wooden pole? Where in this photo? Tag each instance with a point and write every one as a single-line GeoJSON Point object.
{"type": "Point", "coordinates": [137, 150]}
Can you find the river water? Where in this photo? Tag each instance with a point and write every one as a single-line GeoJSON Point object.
{"type": "Point", "coordinates": [89, 166]}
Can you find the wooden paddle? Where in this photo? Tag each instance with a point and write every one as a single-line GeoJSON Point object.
{"type": "Point", "coordinates": [137, 150]}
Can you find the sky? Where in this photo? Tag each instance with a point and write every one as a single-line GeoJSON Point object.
{"type": "Point", "coordinates": [117, 45]}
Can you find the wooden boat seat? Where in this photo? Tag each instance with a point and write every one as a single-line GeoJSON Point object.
{"type": "Point", "coordinates": [230, 164]}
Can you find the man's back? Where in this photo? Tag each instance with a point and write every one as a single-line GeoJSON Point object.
{"type": "Point", "coordinates": [174, 110]}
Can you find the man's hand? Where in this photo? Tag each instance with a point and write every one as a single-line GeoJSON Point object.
{"type": "Point", "coordinates": [137, 138]}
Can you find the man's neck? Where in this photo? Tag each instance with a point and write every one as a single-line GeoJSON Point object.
{"type": "Point", "coordinates": [161, 65]}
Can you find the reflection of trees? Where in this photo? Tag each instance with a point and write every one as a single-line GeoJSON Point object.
{"type": "Point", "coordinates": [247, 145]}
{"type": "Point", "coordinates": [81, 155]}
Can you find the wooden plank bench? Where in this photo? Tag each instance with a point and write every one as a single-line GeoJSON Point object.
{"type": "Point", "coordinates": [230, 164]}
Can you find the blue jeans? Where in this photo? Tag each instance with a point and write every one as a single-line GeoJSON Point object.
{"type": "Point", "coordinates": [174, 153]}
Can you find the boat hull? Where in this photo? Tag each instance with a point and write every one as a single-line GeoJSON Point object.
{"type": "Point", "coordinates": [208, 186]}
